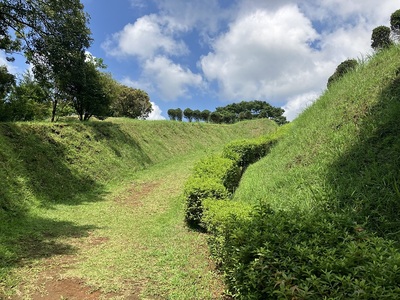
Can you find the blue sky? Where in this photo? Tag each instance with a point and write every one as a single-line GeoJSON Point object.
{"type": "Point", "coordinates": [209, 53]}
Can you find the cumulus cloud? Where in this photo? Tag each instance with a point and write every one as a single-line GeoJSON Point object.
{"type": "Point", "coordinates": [280, 51]}
{"type": "Point", "coordinates": [264, 55]}
{"type": "Point", "coordinates": [165, 78]}
{"type": "Point", "coordinates": [170, 79]}
{"type": "Point", "coordinates": [148, 36]}
{"type": "Point", "coordinates": [297, 104]}
{"type": "Point", "coordinates": [156, 113]}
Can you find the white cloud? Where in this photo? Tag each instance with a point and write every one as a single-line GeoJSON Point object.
{"type": "Point", "coordinates": [297, 104]}
{"type": "Point", "coordinates": [280, 51]}
{"type": "Point", "coordinates": [165, 78]}
{"type": "Point", "coordinates": [148, 36]}
{"type": "Point", "coordinates": [264, 55]}
{"type": "Point", "coordinates": [156, 113]}
{"type": "Point", "coordinates": [169, 79]}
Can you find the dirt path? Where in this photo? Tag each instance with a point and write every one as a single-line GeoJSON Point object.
{"type": "Point", "coordinates": [140, 247]}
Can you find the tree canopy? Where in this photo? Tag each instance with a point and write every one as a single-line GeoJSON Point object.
{"type": "Point", "coordinates": [231, 113]}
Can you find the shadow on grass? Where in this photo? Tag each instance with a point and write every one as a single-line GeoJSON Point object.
{"type": "Point", "coordinates": [59, 163]}
{"type": "Point", "coordinates": [30, 237]}
{"type": "Point", "coordinates": [366, 181]}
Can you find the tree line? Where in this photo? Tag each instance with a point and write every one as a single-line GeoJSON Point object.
{"type": "Point", "coordinates": [382, 37]}
{"type": "Point", "coordinates": [54, 37]}
{"type": "Point", "coordinates": [231, 113]}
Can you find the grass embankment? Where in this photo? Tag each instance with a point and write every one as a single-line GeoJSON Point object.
{"type": "Point", "coordinates": [94, 209]}
{"type": "Point", "coordinates": [327, 197]}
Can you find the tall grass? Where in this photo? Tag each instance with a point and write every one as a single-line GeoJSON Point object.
{"type": "Point", "coordinates": [327, 198]}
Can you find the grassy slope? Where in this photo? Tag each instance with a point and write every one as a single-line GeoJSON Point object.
{"type": "Point", "coordinates": [113, 185]}
{"type": "Point", "coordinates": [342, 153]}
{"type": "Point", "coordinates": [70, 163]}
{"type": "Point", "coordinates": [333, 184]}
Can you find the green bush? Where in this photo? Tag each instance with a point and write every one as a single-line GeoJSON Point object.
{"type": "Point", "coordinates": [223, 169]}
{"type": "Point", "coordinates": [216, 215]}
{"type": "Point", "coordinates": [290, 255]}
{"type": "Point", "coordinates": [246, 152]}
{"type": "Point", "coordinates": [198, 189]}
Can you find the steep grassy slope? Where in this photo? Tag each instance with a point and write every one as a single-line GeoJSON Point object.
{"type": "Point", "coordinates": [70, 163]}
{"type": "Point", "coordinates": [328, 198]}
{"type": "Point", "coordinates": [343, 151]}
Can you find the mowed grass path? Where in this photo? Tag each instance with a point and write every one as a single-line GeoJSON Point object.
{"type": "Point", "coordinates": [136, 247]}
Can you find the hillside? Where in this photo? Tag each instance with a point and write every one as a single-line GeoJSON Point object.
{"type": "Point", "coordinates": [327, 198]}
{"type": "Point", "coordinates": [46, 163]}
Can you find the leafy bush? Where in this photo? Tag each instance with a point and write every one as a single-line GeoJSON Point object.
{"type": "Point", "coordinates": [289, 255]}
{"type": "Point", "coordinates": [246, 152]}
{"type": "Point", "coordinates": [223, 169]}
{"type": "Point", "coordinates": [198, 189]}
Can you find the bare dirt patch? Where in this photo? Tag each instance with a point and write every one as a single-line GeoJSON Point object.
{"type": "Point", "coordinates": [134, 196]}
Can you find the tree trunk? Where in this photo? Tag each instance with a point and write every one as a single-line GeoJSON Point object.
{"type": "Point", "coordinates": [53, 113]}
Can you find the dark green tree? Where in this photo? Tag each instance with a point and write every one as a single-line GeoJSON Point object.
{"type": "Point", "coordinates": [216, 117]}
{"type": "Point", "coordinates": [342, 68]}
{"type": "Point", "coordinates": [172, 114]}
{"type": "Point", "coordinates": [179, 114]}
{"type": "Point", "coordinates": [188, 114]}
{"type": "Point", "coordinates": [53, 35]}
{"type": "Point", "coordinates": [196, 115]}
{"type": "Point", "coordinates": [205, 115]}
{"type": "Point", "coordinates": [131, 103]}
{"type": "Point", "coordinates": [395, 24]}
{"type": "Point", "coordinates": [7, 81]}
{"type": "Point", "coordinates": [381, 38]}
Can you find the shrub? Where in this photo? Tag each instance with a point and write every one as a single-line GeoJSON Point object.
{"type": "Point", "coordinates": [198, 189]}
{"type": "Point", "coordinates": [223, 169]}
{"type": "Point", "coordinates": [290, 255]}
{"type": "Point", "coordinates": [381, 38]}
{"type": "Point", "coordinates": [246, 152]}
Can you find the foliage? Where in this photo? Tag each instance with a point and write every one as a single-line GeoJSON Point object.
{"type": "Point", "coordinates": [131, 103]}
{"type": "Point", "coordinates": [54, 37]}
{"type": "Point", "coordinates": [197, 115]}
{"type": "Point", "coordinates": [175, 114]}
{"type": "Point", "coordinates": [245, 110]}
{"type": "Point", "coordinates": [395, 23]}
{"type": "Point", "coordinates": [7, 81]}
{"type": "Point", "coordinates": [205, 115]}
{"type": "Point", "coordinates": [326, 196]}
{"type": "Point", "coordinates": [223, 169]}
{"type": "Point", "coordinates": [188, 114]}
{"type": "Point", "coordinates": [380, 38]}
{"type": "Point", "coordinates": [216, 177]}
{"type": "Point", "coordinates": [342, 69]}
{"type": "Point", "coordinates": [198, 189]}
{"type": "Point", "coordinates": [245, 152]}
{"type": "Point", "coordinates": [290, 255]}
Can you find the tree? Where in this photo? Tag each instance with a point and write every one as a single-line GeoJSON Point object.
{"type": "Point", "coordinates": [7, 81]}
{"type": "Point", "coordinates": [179, 114]}
{"type": "Point", "coordinates": [247, 110]}
{"type": "Point", "coordinates": [395, 23]}
{"type": "Point", "coordinates": [171, 114]}
{"type": "Point", "coordinates": [131, 103]}
{"type": "Point", "coordinates": [342, 68]}
{"type": "Point", "coordinates": [205, 115]}
{"type": "Point", "coordinates": [188, 114]}
{"type": "Point", "coordinates": [197, 115]}
{"type": "Point", "coordinates": [54, 37]}
{"type": "Point", "coordinates": [381, 38]}
{"type": "Point", "coordinates": [215, 117]}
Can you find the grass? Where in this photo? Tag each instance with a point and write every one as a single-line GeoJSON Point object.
{"type": "Point", "coordinates": [101, 205]}
{"type": "Point", "coordinates": [326, 198]}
